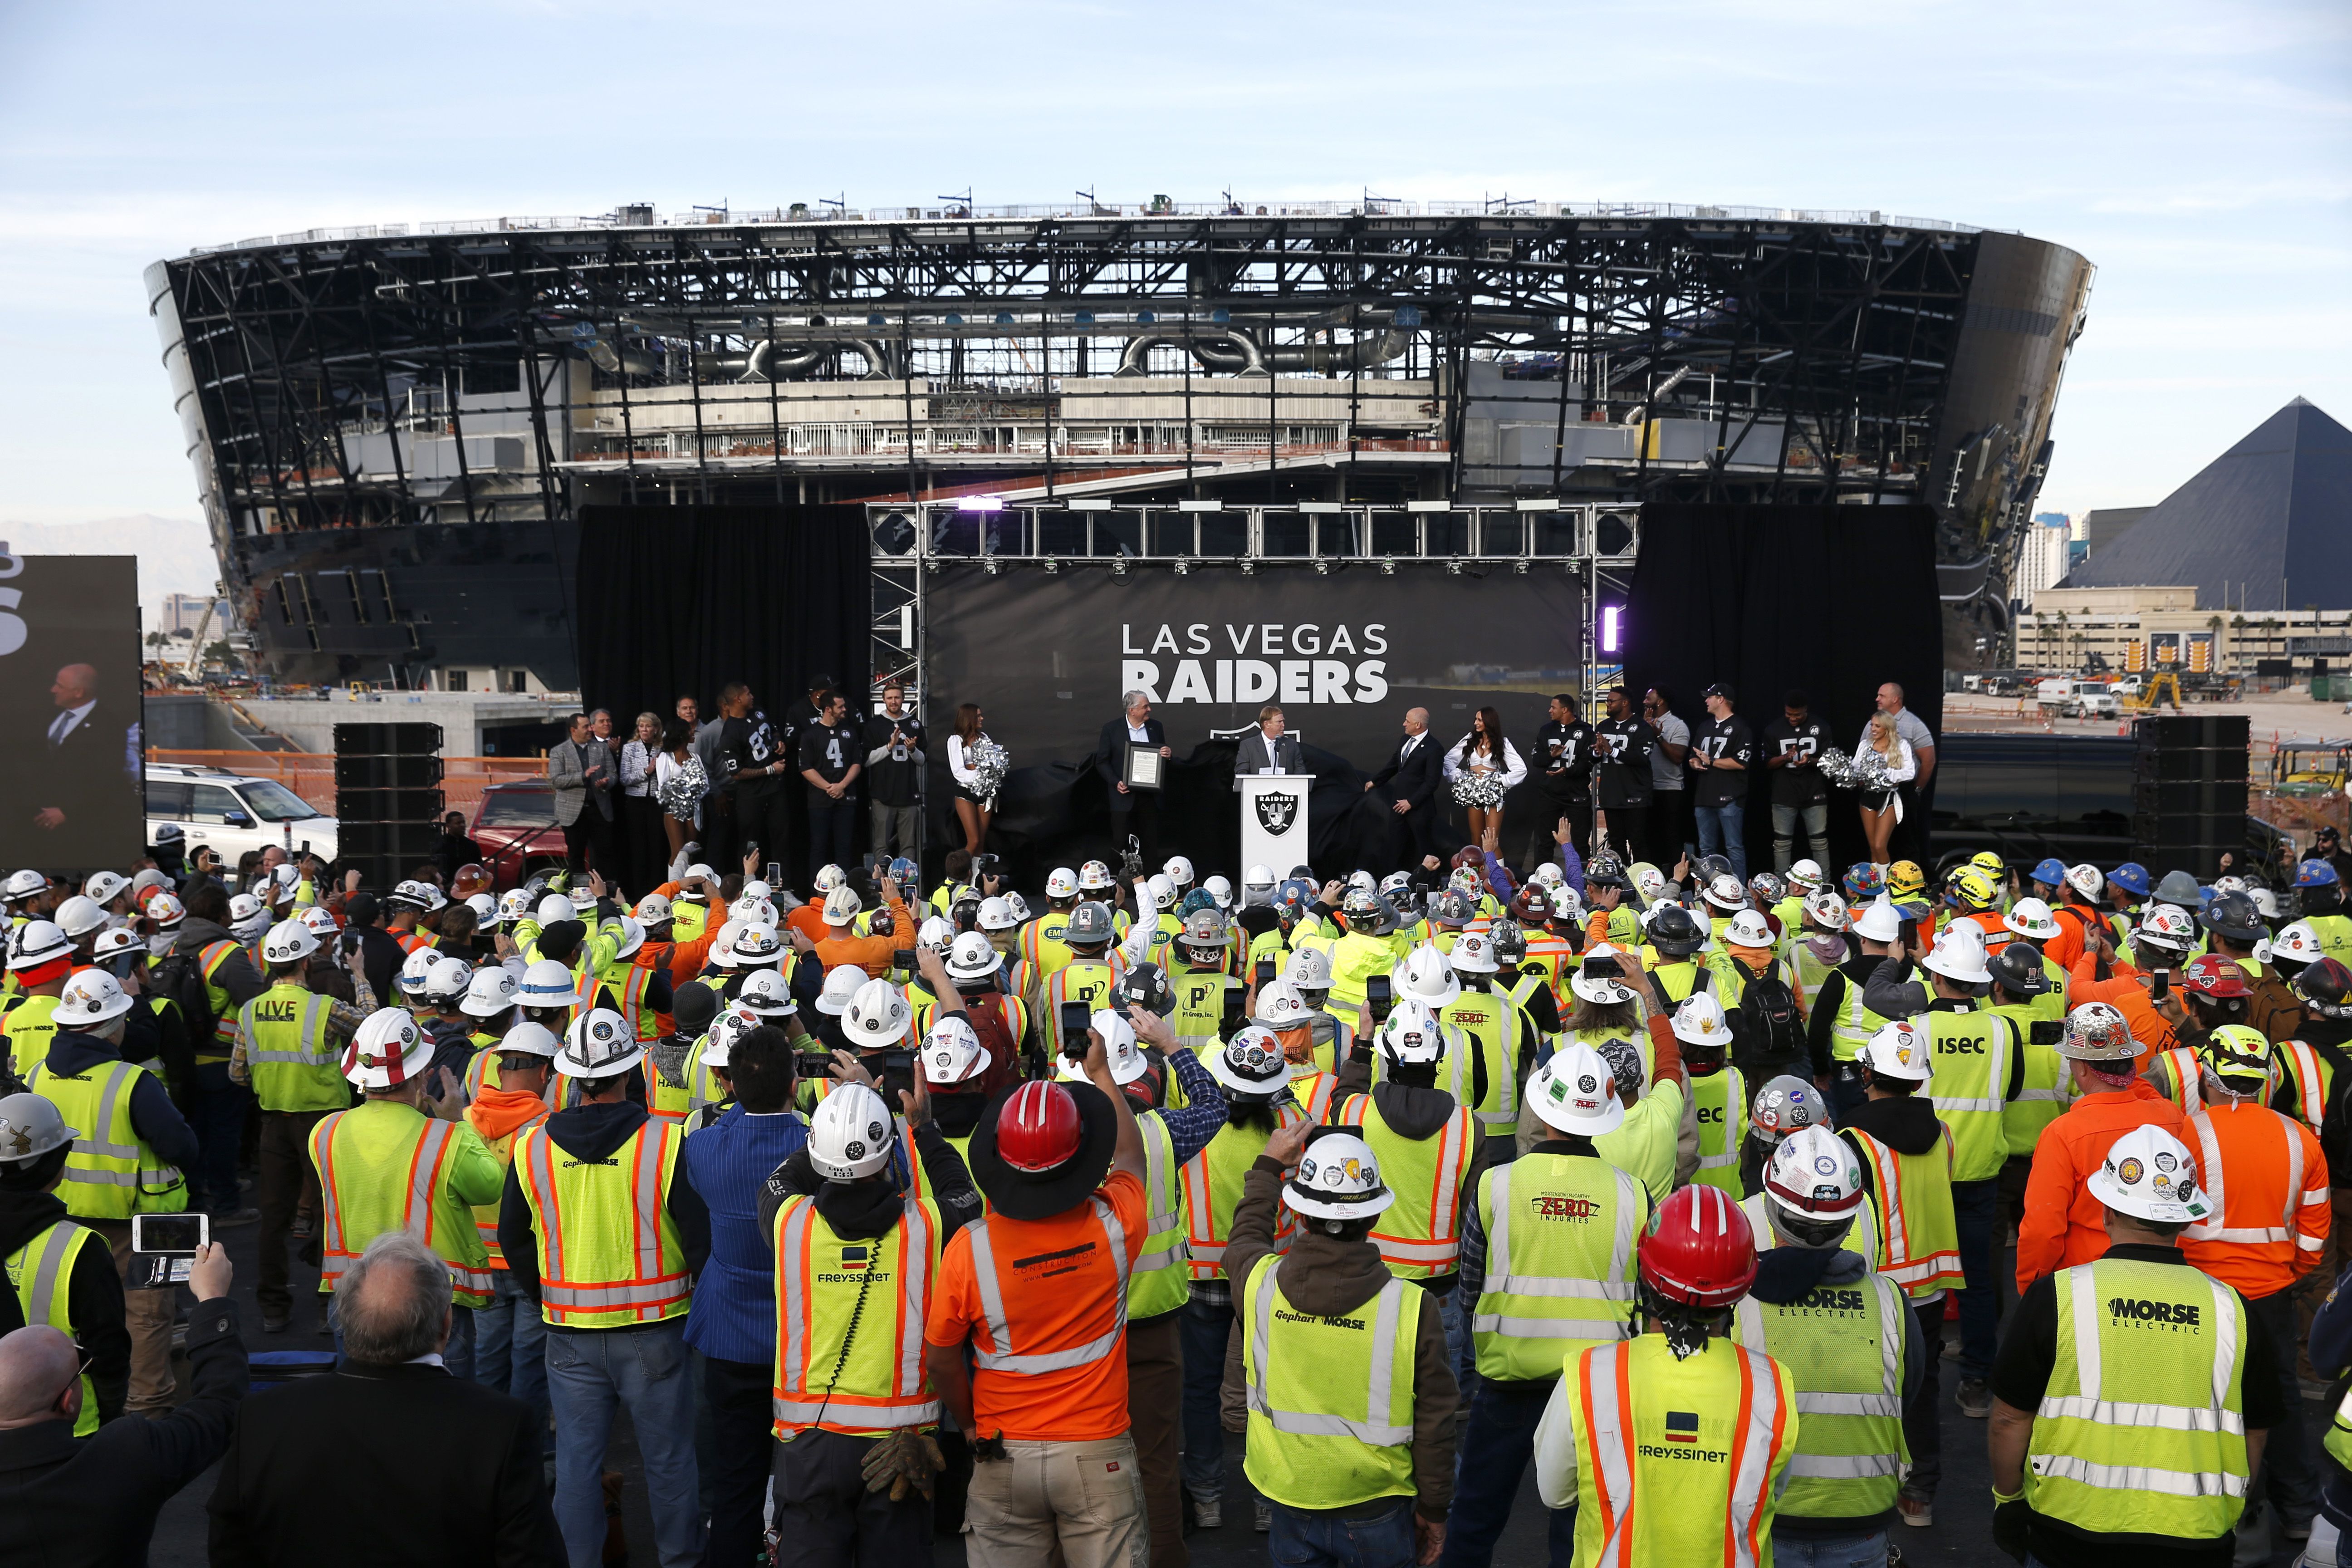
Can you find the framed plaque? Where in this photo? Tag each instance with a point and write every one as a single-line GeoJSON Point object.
{"type": "Point", "coordinates": [1143, 770]}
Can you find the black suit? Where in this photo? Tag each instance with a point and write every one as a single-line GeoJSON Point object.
{"type": "Point", "coordinates": [82, 774]}
{"type": "Point", "coordinates": [78, 1504]}
{"type": "Point", "coordinates": [1137, 811]}
{"type": "Point", "coordinates": [383, 1464]}
{"type": "Point", "coordinates": [1253, 753]}
{"type": "Point", "coordinates": [1414, 779]}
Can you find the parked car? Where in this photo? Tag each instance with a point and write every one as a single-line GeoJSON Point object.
{"type": "Point", "coordinates": [234, 812]}
{"type": "Point", "coordinates": [515, 828]}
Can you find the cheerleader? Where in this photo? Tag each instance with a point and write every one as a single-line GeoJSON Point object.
{"type": "Point", "coordinates": [1482, 768]}
{"type": "Point", "coordinates": [1881, 806]}
{"type": "Point", "coordinates": [973, 808]}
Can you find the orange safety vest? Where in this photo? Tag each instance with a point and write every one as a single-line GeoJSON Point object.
{"type": "Point", "coordinates": [2262, 1172]}
{"type": "Point", "coordinates": [1002, 1352]}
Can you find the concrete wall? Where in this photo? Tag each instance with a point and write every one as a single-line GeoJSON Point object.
{"type": "Point", "coordinates": [462, 715]}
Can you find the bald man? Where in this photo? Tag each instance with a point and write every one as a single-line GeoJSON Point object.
{"type": "Point", "coordinates": [1409, 784]}
{"type": "Point", "coordinates": [82, 778]}
{"type": "Point", "coordinates": [94, 1500]}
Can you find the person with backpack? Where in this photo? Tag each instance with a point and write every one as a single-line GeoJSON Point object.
{"type": "Point", "coordinates": [1754, 988]}
{"type": "Point", "coordinates": [1840, 1024]}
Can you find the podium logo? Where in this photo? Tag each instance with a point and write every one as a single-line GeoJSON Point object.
{"type": "Point", "coordinates": [1276, 812]}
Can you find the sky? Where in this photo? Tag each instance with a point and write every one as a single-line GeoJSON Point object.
{"type": "Point", "coordinates": [2200, 156]}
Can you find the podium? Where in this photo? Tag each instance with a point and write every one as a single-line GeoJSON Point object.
{"type": "Point", "coordinates": [1273, 819]}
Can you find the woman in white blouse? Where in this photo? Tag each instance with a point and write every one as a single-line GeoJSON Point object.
{"type": "Point", "coordinates": [641, 825]}
{"type": "Point", "coordinates": [1882, 808]}
{"type": "Point", "coordinates": [1484, 751]}
{"type": "Point", "coordinates": [972, 809]}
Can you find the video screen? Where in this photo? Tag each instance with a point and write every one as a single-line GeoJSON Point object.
{"type": "Point", "coordinates": [71, 798]}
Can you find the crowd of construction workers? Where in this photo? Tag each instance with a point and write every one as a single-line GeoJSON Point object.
{"type": "Point", "coordinates": [884, 1213]}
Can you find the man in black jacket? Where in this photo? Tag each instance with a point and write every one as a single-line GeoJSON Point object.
{"type": "Point", "coordinates": [1131, 810]}
{"type": "Point", "coordinates": [1409, 784]}
{"type": "Point", "coordinates": [391, 1455]}
{"type": "Point", "coordinates": [68, 1502]}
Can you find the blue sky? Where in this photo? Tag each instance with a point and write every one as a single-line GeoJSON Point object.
{"type": "Point", "coordinates": [2199, 155]}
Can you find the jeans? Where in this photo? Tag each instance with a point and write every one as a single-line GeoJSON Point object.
{"type": "Point", "coordinates": [1816, 818]}
{"type": "Point", "coordinates": [1976, 1210]}
{"type": "Point", "coordinates": [1382, 1539]}
{"type": "Point", "coordinates": [1723, 830]}
{"type": "Point", "coordinates": [2288, 1479]}
{"type": "Point", "coordinates": [287, 1178]}
{"type": "Point", "coordinates": [1868, 1549]}
{"type": "Point", "coordinates": [1206, 1328]}
{"type": "Point", "coordinates": [589, 1374]}
{"type": "Point", "coordinates": [1495, 1447]}
{"type": "Point", "coordinates": [832, 832]}
{"type": "Point", "coordinates": [217, 1116]}
{"type": "Point", "coordinates": [1921, 1414]}
{"type": "Point", "coordinates": [1459, 1355]}
{"type": "Point", "coordinates": [825, 1515]}
{"type": "Point", "coordinates": [510, 1350]}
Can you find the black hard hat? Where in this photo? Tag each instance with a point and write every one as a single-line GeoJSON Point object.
{"type": "Point", "coordinates": [1604, 872]}
{"type": "Point", "coordinates": [1707, 867]}
{"type": "Point", "coordinates": [1146, 986]}
{"type": "Point", "coordinates": [2233, 915]}
{"type": "Point", "coordinates": [1675, 932]}
{"type": "Point", "coordinates": [2017, 969]}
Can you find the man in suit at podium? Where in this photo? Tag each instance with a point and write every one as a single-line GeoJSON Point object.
{"type": "Point", "coordinates": [1409, 783]}
{"type": "Point", "coordinates": [1135, 811]}
{"type": "Point", "coordinates": [1268, 747]}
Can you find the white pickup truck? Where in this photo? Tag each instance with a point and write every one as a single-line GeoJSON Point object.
{"type": "Point", "coordinates": [2077, 700]}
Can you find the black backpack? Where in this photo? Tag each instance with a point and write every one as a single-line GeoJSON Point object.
{"type": "Point", "coordinates": [1764, 1031]}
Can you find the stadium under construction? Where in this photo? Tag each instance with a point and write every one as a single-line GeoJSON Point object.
{"type": "Point", "coordinates": [394, 428]}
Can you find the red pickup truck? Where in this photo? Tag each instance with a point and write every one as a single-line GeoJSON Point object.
{"type": "Point", "coordinates": [515, 828]}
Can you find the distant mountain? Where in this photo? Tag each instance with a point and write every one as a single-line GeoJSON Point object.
{"type": "Point", "coordinates": [175, 555]}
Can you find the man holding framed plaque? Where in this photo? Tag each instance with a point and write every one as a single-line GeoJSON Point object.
{"type": "Point", "coordinates": [1134, 802]}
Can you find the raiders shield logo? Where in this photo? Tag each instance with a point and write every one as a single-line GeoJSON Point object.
{"type": "Point", "coordinates": [1276, 812]}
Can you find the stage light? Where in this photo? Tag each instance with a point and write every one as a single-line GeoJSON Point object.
{"type": "Point", "coordinates": [1051, 565]}
{"type": "Point", "coordinates": [1184, 568]}
{"type": "Point", "coordinates": [1322, 567]}
{"type": "Point", "coordinates": [1388, 566]}
{"type": "Point", "coordinates": [1249, 568]}
{"type": "Point", "coordinates": [1613, 627]}
{"type": "Point", "coordinates": [1453, 569]}
{"type": "Point", "coordinates": [1119, 570]}
{"type": "Point", "coordinates": [989, 567]}
{"type": "Point", "coordinates": [1519, 567]}
{"type": "Point", "coordinates": [980, 503]}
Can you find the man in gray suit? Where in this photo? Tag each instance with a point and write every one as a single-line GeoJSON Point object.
{"type": "Point", "coordinates": [581, 770]}
{"type": "Point", "coordinates": [1268, 748]}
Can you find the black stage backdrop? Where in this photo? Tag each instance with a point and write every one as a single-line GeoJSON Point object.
{"type": "Point", "coordinates": [678, 599]}
{"type": "Point", "coordinates": [1831, 599]}
{"type": "Point", "coordinates": [1047, 657]}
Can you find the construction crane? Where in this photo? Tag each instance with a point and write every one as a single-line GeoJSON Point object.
{"type": "Point", "coordinates": [192, 667]}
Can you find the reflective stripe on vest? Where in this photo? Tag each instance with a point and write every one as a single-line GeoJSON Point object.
{"type": "Point", "coordinates": [1850, 1444]}
{"type": "Point", "coordinates": [435, 1142]}
{"type": "Point", "coordinates": [1388, 1309]}
{"type": "Point", "coordinates": [1000, 1326]}
{"type": "Point", "coordinates": [208, 960]}
{"type": "Point", "coordinates": [1734, 1531]}
{"type": "Point", "coordinates": [1918, 1238]}
{"type": "Point", "coordinates": [1725, 1094]}
{"type": "Point", "coordinates": [2214, 1179]}
{"type": "Point", "coordinates": [1854, 1024]}
{"type": "Point", "coordinates": [111, 1173]}
{"type": "Point", "coordinates": [2188, 1083]}
{"type": "Point", "coordinates": [1485, 1019]}
{"type": "Point", "coordinates": [1505, 1313]}
{"type": "Point", "coordinates": [569, 1291]}
{"type": "Point", "coordinates": [2311, 1075]}
{"type": "Point", "coordinates": [1159, 1285]}
{"type": "Point", "coordinates": [798, 1400]}
{"type": "Point", "coordinates": [1968, 1054]}
{"type": "Point", "coordinates": [1212, 1190]}
{"type": "Point", "coordinates": [1420, 1235]}
{"type": "Point", "coordinates": [43, 1280]}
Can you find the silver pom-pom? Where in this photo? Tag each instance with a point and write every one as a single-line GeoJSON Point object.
{"type": "Point", "coordinates": [1484, 790]}
{"type": "Point", "coordinates": [1867, 771]}
{"type": "Point", "coordinates": [990, 762]}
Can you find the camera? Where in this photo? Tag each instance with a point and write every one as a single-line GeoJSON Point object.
{"type": "Point", "coordinates": [1380, 997]}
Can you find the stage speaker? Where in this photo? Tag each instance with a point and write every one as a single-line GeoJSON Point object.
{"type": "Point", "coordinates": [387, 773]}
{"type": "Point", "coordinates": [390, 805]}
{"type": "Point", "coordinates": [387, 806]}
{"type": "Point", "coordinates": [2190, 791]}
{"type": "Point", "coordinates": [387, 739]}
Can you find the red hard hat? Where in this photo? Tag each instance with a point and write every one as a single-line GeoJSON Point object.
{"type": "Point", "coordinates": [2214, 975]}
{"type": "Point", "coordinates": [1038, 1129]}
{"type": "Point", "coordinates": [1700, 1250]}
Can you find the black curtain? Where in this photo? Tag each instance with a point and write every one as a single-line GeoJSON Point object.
{"type": "Point", "coordinates": [1833, 600]}
{"type": "Point", "coordinates": [681, 599]}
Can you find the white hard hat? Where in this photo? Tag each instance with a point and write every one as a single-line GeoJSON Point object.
{"type": "Point", "coordinates": [1425, 975]}
{"type": "Point", "coordinates": [388, 1051]}
{"type": "Point", "coordinates": [1648, 880]}
{"type": "Point", "coordinates": [1594, 984]}
{"type": "Point", "coordinates": [1258, 877]}
{"type": "Point", "coordinates": [655, 908]}
{"type": "Point", "coordinates": [1727, 892]}
{"type": "Point", "coordinates": [828, 878]}
{"type": "Point", "coordinates": [1121, 1053]}
{"type": "Point", "coordinates": [2266, 903]}
{"type": "Point", "coordinates": [718, 1043]}
{"type": "Point", "coordinates": [1177, 870]}
{"type": "Point", "coordinates": [1900, 1050]}
{"type": "Point", "coordinates": [104, 884]}
{"type": "Point", "coordinates": [2085, 879]}
{"type": "Point", "coordinates": [37, 942]}
{"type": "Point", "coordinates": [167, 910]}
{"type": "Point", "coordinates": [555, 907]}
{"type": "Point", "coordinates": [547, 983]}
{"type": "Point", "coordinates": [1062, 883]}
{"type": "Point", "coordinates": [419, 964]}
{"type": "Point", "coordinates": [1699, 1021]}
{"type": "Point", "coordinates": [1250, 1064]}
{"type": "Point", "coordinates": [951, 1050]}
{"type": "Point", "coordinates": [2098, 1031]}
{"type": "Point", "coordinates": [632, 937]}
{"type": "Point", "coordinates": [1813, 1174]}
{"type": "Point", "coordinates": [1880, 920]}
{"type": "Point", "coordinates": [841, 907]}
{"type": "Point", "coordinates": [1017, 904]}
{"type": "Point", "coordinates": [755, 889]}
{"type": "Point", "coordinates": [1960, 954]}
{"type": "Point", "coordinates": [1094, 876]}
{"type": "Point", "coordinates": [1338, 1179]}
{"type": "Point", "coordinates": [528, 1039]}
{"type": "Point", "coordinates": [2030, 917]}
{"type": "Point", "coordinates": [877, 1016]}
{"type": "Point", "coordinates": [936, 932]}
{"type": "Point", "coordinates": [2148, 1174]}
{"type": "Point", "coordinates": [1220, 889]}
{"type": "Point", "coordinates": [850, 1135]}
{"type": "Point", "coordinates": [1162, 890]}
{"type": "Point", "coordinates": [1310, 969]}
{"type": "Point", "coordinates": [841, 984]}
{"type": "Point", "coordinates": [697, 873]}
{"type": "Point", "coordinates": [1473, 954]}
{"type": "Point", "coordinates": [754, 946]}
{"type": "Point", "coordinates": [1280, 1006]}
{"type": "Point", "coordinates": [1550, 874]}
{"type": "Point", "coordinates": [1748, 929]}
{"type": "Point", "coordinates": [767, 995]}
{"type": "Point", "coordinates": [581, 898]}
{"type": "Point", "coordinates": [1575, 1091]}
{"type": "Point", "coordinates": [248, 917]}
{"type": "Point", "coordinates": [91, 996]}
{"type": "Point", "coordinates": [971, 958]}
{"type": "Point", "coordinates": [1411, 1036]}
{"type": "Point", "coordinates": [23, 885]}
{"type": "Point", "coordinates": [30, 1127]}
{"type": "Point", "coordinates": [599, 1045]}
{"type": "Point", "coordinates": [996, 914]}
{"type": "Point", "coordinates": [290, 942]}
{"type": "Point", "coordinates": [1828, 909]}
{"type": "Point", "coordinates": [2297, 943]}
{"type": "Point", "coordinates": [1805, 875]}
{"type": "Point", "coordinates": [2166, 926]}
{"type": "Point", "coordinates": [448, 979]}
{"type": "Point", "coordinates": [486, 911]}
{"type": "Point", "coordinates": [491, 991]}
{"type": "Point", "coordinates": [751, 910]}
{"type": "Point", "coordinates": [514, 904]}
{"type": "Point", "coordinates": [1359, 878]}
{"type": "Point", "coordinates": [115, 939]}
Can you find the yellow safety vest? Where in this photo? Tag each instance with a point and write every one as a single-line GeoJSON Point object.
{"type": "Point", "coordinates": [1560, 1233]}
{"type": "Point", "coordinates": [384, 1166]}
{"type": "Point", "coordinates": [2048, 1088]}
{"type": "Point", "coordinates": [1199, 1004]}
{"type": "Point", "coordinates": [1489, 1022]}
{"type": "Point", "coordinates": [608, 1253]}
{"type": "Point", "coordinates": [208, 964]}
{"type": "Point", "coordinates": [1086, 980]}
{"type": "Point", "coordinates": [1843, 1345]}
{"type": "Point", "coordinates": [1041, 943]}
{"type": "Point", "coordinates": [1355, 959]}
{"type": "Point", "coordinates": [1159, 1284]}
{"type": "Point", "coordinates": [31, 1026]}
{"type": "Point", "coordinates": [849, 1322]}
{"type": "Point", "coordinates": [111, 1172]}
{"type": "Point", "coordinates": [1852, 1029]}
{"type": "Point", "coordinates": [2312, 1079]}
{"type": "Point", "coordinates": [1330, 1399]}
{"type": "Point", "coordinates": [1212, 1190]}
{"type": "Point", "coordinates": [1722, 1102]}
{"type": "Point", "coordinates": [1418, 1234]}
{"type": "Point", "coordinates": [1678, 1462]}
{"type": "Point", "coordinates": [1969, 1058]}
{"type": "Point", "coordinates": [1911, 1198]}
{"type": "Point", "coordinates": [41, 1273]}
{"type": "Point", "coordinates": [2141, 1430]}
{"type": "Point", "coordinates": [291, 1063]}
